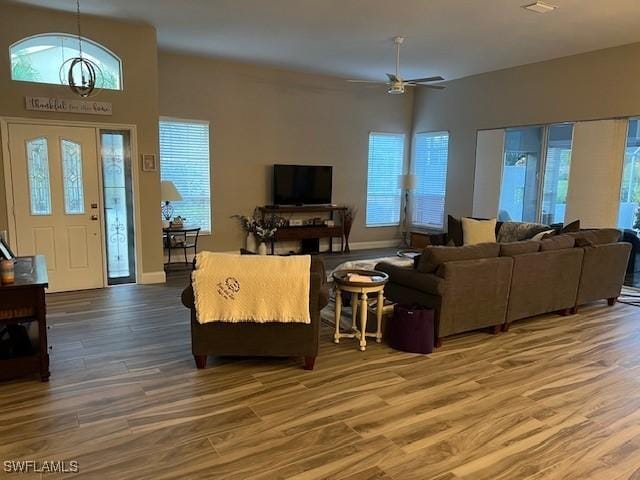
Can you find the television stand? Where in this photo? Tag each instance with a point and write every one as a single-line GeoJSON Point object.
{"type": "Point", "coordinates": [307, 232]}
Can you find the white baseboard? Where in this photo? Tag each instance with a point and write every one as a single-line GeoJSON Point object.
{"type": "Point", "coordinates": [152, 277]}
{"type": "Point", "coordinates": [376, 244]}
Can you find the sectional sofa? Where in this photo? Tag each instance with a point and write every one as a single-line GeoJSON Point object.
{"type": "Point", "coordinates": [492, 285]}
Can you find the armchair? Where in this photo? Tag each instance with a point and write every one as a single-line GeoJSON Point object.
{"type": "Point", "coordinates": [261, 339]}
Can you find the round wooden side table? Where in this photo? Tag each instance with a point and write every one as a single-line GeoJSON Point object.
{"type": "Point", "coordinates": [359, 294]}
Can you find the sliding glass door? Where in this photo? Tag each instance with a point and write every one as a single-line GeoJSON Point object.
{"type": "Point", "coordinates": [630, 186]}
{"type": "Point", "coordinates": [535, 173]}
{"type": "Point", "coordinates": [522, 160]}
{"type": "Point", "coordinates": [556, 173]}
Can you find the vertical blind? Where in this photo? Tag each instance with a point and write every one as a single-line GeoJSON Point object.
{"type": "Point", "coordinates": [184, 160]}
{"type": "Point", "coordinates": [430, 168]}
{"type": "Point", "coordinates": [488, 174]}
{"type": "Point", "coordinates": [385, 165]}
{"type": "Point", "coordinates": [596, 170]}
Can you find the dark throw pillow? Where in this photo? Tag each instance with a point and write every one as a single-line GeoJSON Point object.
{"type": "Point", "coordinates": [454, 230]}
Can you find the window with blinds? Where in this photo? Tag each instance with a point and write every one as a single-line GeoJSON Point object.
{"type": "Point", "coordinates": [184, 160]}
{"type": "Point", "coordinates": [430, 168]}
{"type": "Point", "coordinates": [385, 165]}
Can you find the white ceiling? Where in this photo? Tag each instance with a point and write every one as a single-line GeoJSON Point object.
{"type": "Point", "coordinates": [352, 38]}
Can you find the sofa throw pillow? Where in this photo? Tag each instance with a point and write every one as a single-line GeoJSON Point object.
{"type": "Point", "coordinates": [478, 231]}
{"type": "Point", "coordinates": [544, 234]}
{"type": "Point", "coordinates": [518, 248]}
{"type": "Point", "coordinates": [571, 227]}
{"type": "Point", "coordinates": [557, 242]}
{"type": "Point", "coordinates": [518, 231]}
{"type": "Point", "coordinates": [434, 256]}
{"type": "Point", "coordinates": [454, 230]}
{"type": "Point", "coordinates": [598, 236]}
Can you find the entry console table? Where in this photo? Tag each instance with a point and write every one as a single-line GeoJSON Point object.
{"type": "Point", "coordinates": [305, 232]}
{"type": "Point", "coordinates": [22, 302]}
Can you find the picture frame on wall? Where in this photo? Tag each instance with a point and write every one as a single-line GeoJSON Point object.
{"type": "Point", "coordinates": [5, 251]}
{"type": "Point", "coordinates": [149, 162]}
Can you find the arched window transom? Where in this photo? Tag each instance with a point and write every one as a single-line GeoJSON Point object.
{"type": "Point", "coordinates": [38, 59]}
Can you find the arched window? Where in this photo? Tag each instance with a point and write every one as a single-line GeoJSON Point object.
{"type": "Point", "coordinates": [38, 59]}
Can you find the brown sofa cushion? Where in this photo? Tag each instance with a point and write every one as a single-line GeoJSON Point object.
{"type": "Point", "coordinates": [600, 236]}
{"type": "Point", "coordinates": [433, 256]}
{"type": "Point", "coordinates": [408, 277]}
{"type": "Point", "coordinates": [557, 242]}
{"type": "Point", "coordinates": [583, 242]}
{"type": "Point", "coordinates": [518, 248]}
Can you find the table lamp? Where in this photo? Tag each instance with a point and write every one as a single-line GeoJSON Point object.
{"type": "Point", "coordinates": [168, 193]}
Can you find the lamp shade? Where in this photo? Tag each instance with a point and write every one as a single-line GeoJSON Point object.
{"type": "Point", "coordinates": [407, 181]}
{"type": "Point", "coordinates": [169, 192]}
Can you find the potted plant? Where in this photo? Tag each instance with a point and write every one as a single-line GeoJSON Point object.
{"type": "Point", "coordinates": [248, 225]}
{"type": "Point", "coordinates": [265, 231]}
{"type": "Point", "coordinates": [259, 230]}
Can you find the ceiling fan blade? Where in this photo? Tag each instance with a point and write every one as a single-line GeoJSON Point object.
{"type": "Point", "coordinates": [426, 79]}
{"type": "Point", "coordinates": [435, 87]}
{"type": "Point", "coordinates": [392, 77]}
{"type": "Point", "coordinates": [367, 81]}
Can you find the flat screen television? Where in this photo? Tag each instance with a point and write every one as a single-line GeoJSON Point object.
{"type": "Point", "coordinates": [302, 184]}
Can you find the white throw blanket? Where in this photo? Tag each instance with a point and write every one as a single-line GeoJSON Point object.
{"type": "Point", "coordinates": [251, 288]}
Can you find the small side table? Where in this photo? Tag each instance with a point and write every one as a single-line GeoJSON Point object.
{"type": "Point", "coordinates": [189, 239]}
{"type": "Point", "coordinates": [359, 294]}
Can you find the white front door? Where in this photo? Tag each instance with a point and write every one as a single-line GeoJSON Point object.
{"type": "Point", "coordinates": [56, 197]}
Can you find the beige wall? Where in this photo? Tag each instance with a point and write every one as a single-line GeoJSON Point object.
{"type": "Point", "coordinates": [594, 85]}
{"type": "Point", "coordinates": [260, 116]}
{"type": "Point", "coordinates": [137, 104]}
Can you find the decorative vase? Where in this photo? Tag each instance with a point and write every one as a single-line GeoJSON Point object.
{"type": "Point", "coordinates": [348, 223]}
{"type": "Point", "coordinates": [251, 242]}
{"type": "Point", "coordinates": [7, 274]}
{"type": "Point", "coordinates": [262, 248]}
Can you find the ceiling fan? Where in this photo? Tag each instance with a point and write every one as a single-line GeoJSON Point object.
{"type": "Point", "coordinates": [397, 83]}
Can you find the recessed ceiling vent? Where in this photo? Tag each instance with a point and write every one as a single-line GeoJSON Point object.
{"type": "Point", "coordinates": [539, 7]}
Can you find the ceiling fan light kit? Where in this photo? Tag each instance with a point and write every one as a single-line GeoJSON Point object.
{"type": "Point", "coordinates": [396, 83]}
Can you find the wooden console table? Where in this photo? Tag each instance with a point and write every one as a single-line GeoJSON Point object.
{"type": "Point", "coordinates": [21, 302]}
{"type": "Point", "coordinates": [307, 231]}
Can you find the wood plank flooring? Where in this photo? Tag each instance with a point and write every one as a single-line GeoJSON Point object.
{"type": "Point", "coordinates": [554, 398]}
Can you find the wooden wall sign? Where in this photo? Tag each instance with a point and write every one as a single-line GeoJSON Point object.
{"type": "Point", "coordinates": [52, 104]}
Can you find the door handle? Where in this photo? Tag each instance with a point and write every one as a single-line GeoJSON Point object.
{"type": "Point", "coordinates": [94, 218]}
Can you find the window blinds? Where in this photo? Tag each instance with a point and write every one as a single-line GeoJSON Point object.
{"type": "Point", "coordinates": [184, 160]}
{"type": "Point", "coordinates": [386, 158]}
{"type": "Point", "coordinates": [488, 174]}
{"type": "Point", "coordinates": [430, 168]}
